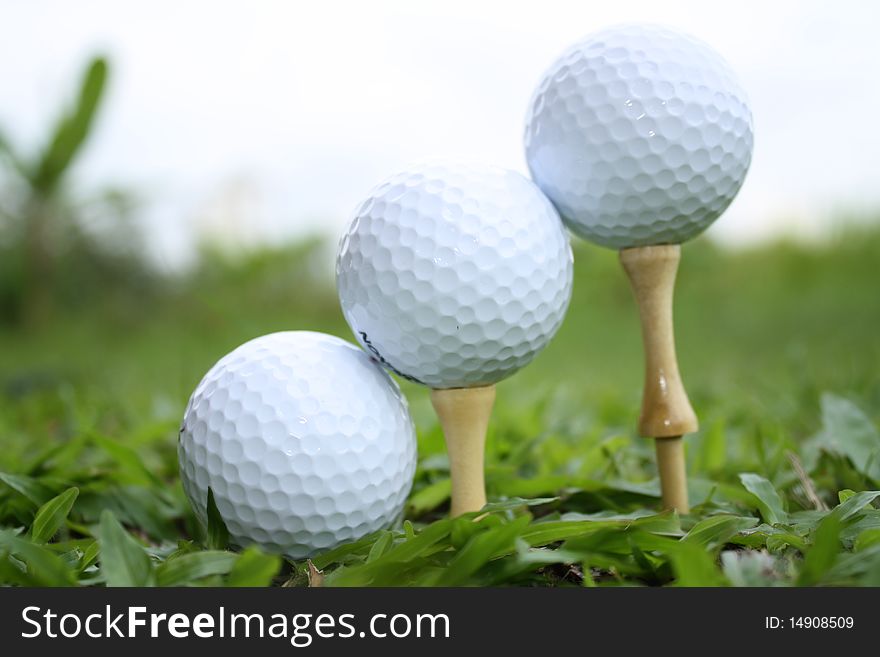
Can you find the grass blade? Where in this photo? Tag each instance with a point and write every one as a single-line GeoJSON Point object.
{"type": "Point", "coordinates": [218, 535]}
{"type": "Point", "coordinates": [42, 566]}
{"type": "Point", "coordinates": [254, 568]}
{"type": "Point", "coordinates": [124, 562]}
{"type": "Point", "coordinates": [768, 501]}
{"type": "Point", "coordinates": [31, 489]}
{"type": "Point", "coordinates": [694, 566]}
{"type": "Point", "coordinates": [381, 546]}
{"type": "Point", "coordinates": [72, 130]}
{"type": "Point", "coordinates": [848, 431]}
{"type": "Point", "coordinates": [715, 531]}
{"type": "Point", "coordinates": [479, 550]}
{"type": "Point", "coordinates": [822, 553]}
{"type": "Point", "coordinates": [855, 503]}
{"type": "Point", "coordinates": [51, 516]}
{"type": "Point", "coordinates": [193, 566]}
{"type": "Point", "coordinates": [430, 497]}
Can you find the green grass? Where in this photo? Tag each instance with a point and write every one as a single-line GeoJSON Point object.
{"type": "Point", "coordinates": [779, 350]}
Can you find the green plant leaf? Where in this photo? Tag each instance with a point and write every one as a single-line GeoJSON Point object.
{"type": "Point", "coordinates": [822, 552]}
{"type": "Point", "coordinates": [862, 522]}
{"type": "Point", "coordinates": [423, 541]}
{"type": "Point", "coordinates": [404, 552]}
{"type": "Point", "coordinates": [90, 555]}
{"type": "Point", "coordinates": [773, 538]}
{"type": "Point", "coordinates": [254, 568]}
{"type": "Point", "coordinates": [713, 450]}
{"type": "Point", "coordinates": [715, 531]}
{"type": "Point", "coordinates": [192, 566]}
{"type": "Point", "coordinates": [345, 552]}
{"type": "Point", "coordinates": [147, 508]}
{"type": "Point", "coordinates": [124, 562]}
{"type": "Point", "coordinates": [31, 489]}
{"type": "Point", "coordinates": [217, 537]}
{"type": "Point", "coordinates": [694, 566]}
{"type": "Point", "coordinates": [867, 538]}
{"type": "Point", "coordinates": [72, 130]}
{"type": "Point", "coordinates": [848, 431]}
{"type": "Point", "coordinates": [430, 497]}
{"type": "Point", "coordinates": [381, 546]}
{"type": "Point", "coordinates": [132, 469]}
{"type": "Point", "coordinates": [42, 566]}
{"type": "Point", "coordinates": [854, 568]}
{"type": "Point", "coordinates": [853, 504]}
{"type": "Point", "coordinates": [768, 501]}
{"type": "Point", "coordinates": [479, 550]}
{"type": "Point", "coordinates": [574, 525]}
{"type": "Point", "coordinates": [517, 503]}
{"type": "Point", "coordinates": [409, 531]}
{"type": "Point", "coordinates": [51, 516]}
{"type": "Point", "coordinates": [466, 526]}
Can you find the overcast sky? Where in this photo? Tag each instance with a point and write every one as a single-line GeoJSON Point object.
{"type": "Point", "coordinates": [267, 119]}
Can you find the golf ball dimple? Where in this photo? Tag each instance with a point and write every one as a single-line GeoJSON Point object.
{"type": "Point", "coordinates": [639, 135]}
{"type": "Point", "coordinates": [304, 440]}
{"type": "Point", "coordinates": [455, 276]}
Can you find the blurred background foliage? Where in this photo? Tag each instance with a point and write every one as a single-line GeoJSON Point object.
{"type": "Point", "coordinates": [60, 249]}
{"type": "Point", "coordinates": [99, 351]}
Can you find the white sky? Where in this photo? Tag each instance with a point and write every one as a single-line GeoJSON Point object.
{"type": "Point", "coordinates": [287, 113]}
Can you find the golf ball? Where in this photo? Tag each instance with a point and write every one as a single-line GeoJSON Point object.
{"type": "Point", "coordinates": [305, 442]}
{"type": "Point", "coordinates": [639, 135]}
{"type": "Point", "coordinates": [455, 276]}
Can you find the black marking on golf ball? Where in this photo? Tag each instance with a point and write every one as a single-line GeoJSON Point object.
{"type": "Point", "coordinates": [377, 356]}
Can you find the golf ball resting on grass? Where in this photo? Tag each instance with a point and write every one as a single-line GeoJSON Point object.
{"type": "Point", "coordinates": [304, 441]}
{"type": "Point", "coordinates": [642, 137]}
{"type": "Point", "coordinates": [455, 277]}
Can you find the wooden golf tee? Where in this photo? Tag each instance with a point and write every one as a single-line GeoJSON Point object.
{"type": "Point", "coordinates": [666, 411]}
{"type": "Point", "coordinates": [464, 417]}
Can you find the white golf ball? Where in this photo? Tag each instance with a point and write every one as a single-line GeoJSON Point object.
{"type": "Point", "coordinates": [304, 440]}
{"type": "Point", "coordinates": [455, 276]}
{"type": "Point", "coordinates": [639, 135]}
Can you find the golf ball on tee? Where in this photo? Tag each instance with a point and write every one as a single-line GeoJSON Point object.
{"type": "Point", "coordinates": [455, 276]}
{"type": "Point", "coordinates": [304, 440]}
{"type": "Point", "coordinates": [640, 136]}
